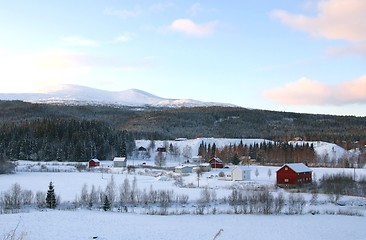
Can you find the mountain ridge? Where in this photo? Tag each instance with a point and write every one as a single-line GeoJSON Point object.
{"type": "Point", "coordinates": [81, 95]}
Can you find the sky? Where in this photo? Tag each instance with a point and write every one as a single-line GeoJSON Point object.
{"type": "Point", "coordinates": [302, 56]}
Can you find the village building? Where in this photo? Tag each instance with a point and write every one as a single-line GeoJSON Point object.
{"type": "Point", "coordinates": [183, 169]}
{"type": "Point", "coordinates": [293, 174]}
{"type": "Point", "coordinates": [216, 162]}
{"type": "Point", "coordinates": [120, 162]}
{"type": "Point", "coordinates": [93, 163]}
{"type": "Point", "coordinates": [203, 167]}
{"type": "Point", "coordinates": [235, 174]}
{"type": "Point", "coordinates": [141, 149]}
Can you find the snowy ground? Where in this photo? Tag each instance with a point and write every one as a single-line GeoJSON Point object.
{"type": "Point", "coordinates": [85, 224]}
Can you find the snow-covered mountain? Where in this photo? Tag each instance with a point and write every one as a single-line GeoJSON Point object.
{"type": "Point", "coordinates": [75, 94]}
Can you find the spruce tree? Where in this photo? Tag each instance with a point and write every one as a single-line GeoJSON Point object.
{"type": "Point", "coordinates": [123, 152]}
{"type": "Point", "coordinates": [106, 204]}
{"type": "Point", "coordinates": [51, 197]}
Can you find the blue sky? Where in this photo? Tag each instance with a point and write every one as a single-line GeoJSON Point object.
{"type": "Point", "coordinates": [299, 55]}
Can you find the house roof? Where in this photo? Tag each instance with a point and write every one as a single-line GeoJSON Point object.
{"type": "Point", "coordinates": [119, 159]}
{"type": "Point", "coordinates": [95, 160]}
{"type": "Point", "coordinates": [216, 159]}
{"type": "Point", "coordinates": [298, 167]}
{"type": "Point", "coordinates": [184, 166]}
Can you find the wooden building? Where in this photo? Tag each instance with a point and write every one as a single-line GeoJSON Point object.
{"type": "Point", "coordinates": [93, 163]}
{"type": "Point", "coordinates": [293, 174]}
{"type": "Point", "coordinates": [216, 162]}
{"type": "Point", "coordinates": [120, 162]}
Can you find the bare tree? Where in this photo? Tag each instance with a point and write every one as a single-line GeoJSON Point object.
{"type": "Point", "coordinates": [199, 173]}
{"type": "Point", "coordinates": [187, 152]}
{"type": "Point", "coordinates": [93, 197]}
{"type": "Point", "coordinates": [14, 235]}
{"type": "Point", "coordinates": [84, 195]}
{"type": "Point", "coordinates": [124, 192]}
{"type": "Point", "coordinates": [40, 199]}
{"type": "Point", "coordinates": [110, 191]}
{"type": "Point", "coordinates": [160, 159]}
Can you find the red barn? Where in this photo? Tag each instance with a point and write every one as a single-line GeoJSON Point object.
{"type": "Point", "coordinates": [94, 163]}
{"type": "Point", "coordinates": [293, 174]}
{"type": "Point", "coordinates": [216, 162]}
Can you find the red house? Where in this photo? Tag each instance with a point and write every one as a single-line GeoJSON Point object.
{"type": "Point", "coordinates": [293, 174]}
{"type": "Point", "coordinates": [216, 162]}
{"type": "Point", "coordinates": [93, 163]}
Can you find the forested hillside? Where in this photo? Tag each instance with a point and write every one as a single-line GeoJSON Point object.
{"type": "Point", "coordinates": [78, 133]}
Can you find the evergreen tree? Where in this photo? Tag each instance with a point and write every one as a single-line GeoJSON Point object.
{"type": "Point", "coordinates": [236, 160]}
{"type": "Point", "coordinates": [51, 197]}
{"type": "Point", "coordinates": [123, 149]}
{"type": "Point", "coordinates": [106, 204]}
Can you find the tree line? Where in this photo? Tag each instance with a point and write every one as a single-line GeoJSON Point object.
{"type": "Point", "coordinates": [62, 140]}
{"type": "Point", "coordinates": [266, 152]}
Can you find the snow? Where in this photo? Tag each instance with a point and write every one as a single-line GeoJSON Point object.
{"type": "Point", "coordinates": [136, 224]}
{"type": "Point", "coordinates": [298, 167]}
{"type": "Point", "coordinates": [333, 151]}
{"type": "Point", "coordinates": [86, 224]}
{"type": "Point", "coordinates": [75, 94]}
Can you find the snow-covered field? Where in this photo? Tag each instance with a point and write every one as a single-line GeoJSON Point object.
{"type": "Point", "coordinates": [86, 224]}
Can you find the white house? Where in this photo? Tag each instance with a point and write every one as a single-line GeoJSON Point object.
{"type": "Point", "coordinates": [183, 169]}
{"type": "Point", "coordinates": [235, 174]}
{"type": "Point", "coordinates": [240, 174]}
{"type": "Point", "coordinates": [120, 162]}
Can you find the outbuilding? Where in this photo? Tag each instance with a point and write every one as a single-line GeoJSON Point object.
{"type": "Point", "coordinates": [183, 169]}
{"type": "Point", "coordinates": [293, 174]}
{"type": "Point", "coordinates": [216, 162]}
{"type": "Point", "coordinates": [235, 174]}
{"type": "Point", "coordinates": [93, 163]}
{"type": "Point", "coordinates": [120, 162]}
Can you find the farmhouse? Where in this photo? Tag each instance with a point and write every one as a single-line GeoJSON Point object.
{"type": "Point", "coordinates": [216, 162]}
{"type": "Point", "coordinates": [293, 174]}
{"type": "Point", "coordinates": [183, 169]}
{"type": "Point", "coordinates": [235, 174]}
{"type": "Point", "coordinates": [93, 163]}
{"type": "Point", "coordinates": [203, 167]}
{"type": "Point", "coordinates": [120, 162]}
{"type": "Point", "coordinates": [141, 149]}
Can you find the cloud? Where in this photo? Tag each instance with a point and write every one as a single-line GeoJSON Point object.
{"type": "Point", "coordinates": [161, 6]}
{"type": "Point", "coordinates": [79, 41]}
{"type": "Point", "coordinates": [189, 27]}
{"type": "Point", "coordinates": [334, 19]}
{"type": "Point", "coordinates": [26, 72]}
{"type": "Point", "coordinates": [356, 49]}
{"type": "Point", "coordinates": [197, 8]}
{"type": "Point", "coordinates": [123, 13]}
{"type": "Point", "coordinates": [309, 92]}
{"type": "Point", "coordinates": [125, 37]}
{"type": "Point", "coordinates": [29, 72]}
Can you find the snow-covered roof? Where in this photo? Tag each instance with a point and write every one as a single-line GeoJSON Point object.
{"type": "Point", "coordinates": [119, 159]}
{"type": "Point", "coordinates": [184, 166]}
{"type": "Point", "coordinates": [94, 159]}
{"type": "Point", "coordinates": [216, 159]}
{"type": "Point", "coordinates": [298, 167]}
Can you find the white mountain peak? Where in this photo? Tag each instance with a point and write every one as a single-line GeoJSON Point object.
{"type": "Point", "coordinates": [76, 94]}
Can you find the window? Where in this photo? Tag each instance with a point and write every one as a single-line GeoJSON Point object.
{"type": "Point", "coordinates": [286, 168]}
{"type": "Point", "coordinates": [286, 180]}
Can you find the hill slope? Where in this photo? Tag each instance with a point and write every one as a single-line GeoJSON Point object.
{"type": "Point", "coordinates": [80, 95]}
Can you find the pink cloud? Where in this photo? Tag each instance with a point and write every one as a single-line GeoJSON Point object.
{"type": "Point", "coordinates": [335, 19]}
{"type": "Point", "coordinates": [309, 92]}
{"type": "Point", "coordinates": [189, 27]}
